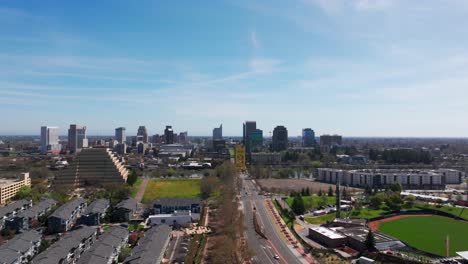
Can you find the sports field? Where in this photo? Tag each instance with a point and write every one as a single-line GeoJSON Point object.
{"type": "Point", "coordinates": [428, 233]}
{"type": "Point", "coordinates": [171, 188]}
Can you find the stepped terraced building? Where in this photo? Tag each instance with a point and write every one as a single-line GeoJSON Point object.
{"type": "Point", "coordinates": [93, 167]}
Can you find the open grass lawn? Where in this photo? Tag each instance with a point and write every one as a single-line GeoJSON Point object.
{"type": "Point", "coordinates": [312, 201]}
{"type": "Point", "coordinates": [171, 188]}
{"type": "Point", "coordinates": [428, 233]}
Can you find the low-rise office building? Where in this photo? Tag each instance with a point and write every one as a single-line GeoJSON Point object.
{"type": "Point", "coordinates": [22, 220]}
{"type": "Point", "coordinates": [381, 177]}
{"type": "Point", "coordinates": [11, 210]}
{"type": "Point", "coordinates": [171, 205]}
{"type": "Point", "coordinates": [327, 236]}
{"type": "Point", "coordinates": [63, 219]}
{"type": "Point", "coordinates": [9, 187]}
{"type": "Point", "coordinates": [151, 248]}
{"type": "Point", "coordinates": [124, 210]}
{"type": "Point", "coordinates": [107, 248]}
{"type": "Point", "coordinates": [69, 248]}
{"type": "Point", "coordinates": [95, 212]}
{"type": "Point", "coordinates": [175, 219]}
{"type": "Point", "coordinates": [21, 248]}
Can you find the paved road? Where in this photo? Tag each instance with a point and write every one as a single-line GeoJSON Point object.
{"type": "Point", "coordinates": [264, 249]}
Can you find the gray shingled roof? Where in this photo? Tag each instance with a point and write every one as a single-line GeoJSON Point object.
{"type": "Point", "coordinates": [44, 204]}
{"type": "Point", "coordinates": [130, 204]}
{"type": "Point", "coordinates": [151, 246]}
{"type": "Point", "coordinates": [16, 205]}
{"type": "Point", "coordinates": [17, 246]}
{"type": "Point", "coordinates": [99, 206]}
{"type": "Point", "coordinates": [66, 210]}
{"type": "Point", "coordinates": [60, 249]}
{"type": "Point", "coordinates": [177, 201]}
{"type": "Point", "coordinates": [104, 247]}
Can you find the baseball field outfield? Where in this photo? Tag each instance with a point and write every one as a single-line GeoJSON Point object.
{"type": "Point", "coordinates": [428, 233]}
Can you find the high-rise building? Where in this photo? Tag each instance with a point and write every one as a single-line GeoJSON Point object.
{"type": "Point", "coordinates": [308, 137]}
{"type": "Point", "coordinates": [280, 138]}
{"type": "Point", "coordinates": [142, 134]}
{"type": "Point", "coordinates": [218, 132]}
{"type": "Point", "coordinates": [248, 129]}
{"type": "Point", "coordinates": [183, 137]}
{"type": "Point", "coordinates": [50, 140]}
{"type": "Point", "coordinates": [256, 141]}
{"type": "Point", "coordinates": [120, 135]}
{"type": "Point", "coordinates": [77, 138]}
{"type": "Point", "coordinates": [169, 135]}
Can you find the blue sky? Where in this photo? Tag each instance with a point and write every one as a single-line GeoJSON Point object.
{"type": "Point", "coordinates": [353, 67]}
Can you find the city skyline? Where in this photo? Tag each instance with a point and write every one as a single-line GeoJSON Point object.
{"type": "Point", "coordinates": [386, 68]}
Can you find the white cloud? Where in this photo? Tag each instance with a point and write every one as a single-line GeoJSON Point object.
{"type": "Point", "coordinates": [254, 39]}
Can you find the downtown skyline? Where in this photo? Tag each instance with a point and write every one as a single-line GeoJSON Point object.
{"type": "Point", "coordinates": [383, 68]}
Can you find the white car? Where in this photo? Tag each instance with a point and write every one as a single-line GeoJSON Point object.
{"type": "Point", "coordinates": [276, 257]}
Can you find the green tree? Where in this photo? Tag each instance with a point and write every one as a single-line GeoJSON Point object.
{"type": "Point", "coordinates": [320, 193]}
{"type": "Point", "coordinates": [132, 178]}
{"type": "Point", "coordinates": [308, 192]}
{"type": "Point", "coordinates": [409, 200]}
{"type": "Point", "coordinates": [208, 185]}
{"type": "Point", "coordinates": [370, 240]}
{"type": "Point", "coordinates": [124, 253]}
{"type": "Point", "coordinates": [376, 200]}
{"type": "Point", "coordinates": [394, 202]}
{"type": "Point", "coordinates": [322, 201]}
{"type": "Point", "coordinates": [298, 205]}
{"type": "Point", "coordinates": [330, 191]}
{"type": "Point", "coordinates": [23, 193]}
{"type": "Point", "coordinates": [395, 187]}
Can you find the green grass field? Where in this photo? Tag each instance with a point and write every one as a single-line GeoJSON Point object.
{"type": "Point", "coordinates": [171, 188]}
{"type": "Point", "coordinates": [312, 201]}
{"type": "Point", "coordinates": [428, 233]}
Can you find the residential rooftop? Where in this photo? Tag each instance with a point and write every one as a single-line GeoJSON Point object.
{"type": "Point", "coordinates": [99, 206]}
{"type": "Point", "coordinates": [67, 209]}
{"type": "Point", "coordinates": [151, 246]}
{"type": "Point", "coordinates": [103, 249]}
{"type": "Point", "coordinates": [18, 246]}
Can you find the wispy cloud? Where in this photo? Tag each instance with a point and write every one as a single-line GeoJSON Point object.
{"type": "Point", "coordinates": [254, 39]}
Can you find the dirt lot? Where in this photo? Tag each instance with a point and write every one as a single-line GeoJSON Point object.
{"type": "Point", "coordinates": [287, 185]}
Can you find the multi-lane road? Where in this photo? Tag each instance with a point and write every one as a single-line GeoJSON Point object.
{"type": "Point", "coordinates": [265, 250]}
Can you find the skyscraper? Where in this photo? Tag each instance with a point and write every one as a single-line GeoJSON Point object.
{"type": "Point", "coordinates": [142, 134]}
{"type": "Point", "coordinates": [248, 129]}
{"type": "Point", "coordinates": [280, 138]}
{"type": "Point", "coordinates": [169, 135]}
{"type": "Point", "coordinates": [50, 140]}
{"type": "Point", "coordinates": [183, 137]}
{"type": "Point", "coordinates": [218, 132]}
{"type": "Point", "coordinates": [77, 138]}
{"type": "Point", "coordinates": [120, 135]}
{"type": "Point", "coordinates": [308, 137]}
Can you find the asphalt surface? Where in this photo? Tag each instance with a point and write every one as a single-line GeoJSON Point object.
{"type": "Point", "coordinates": [264, 249]}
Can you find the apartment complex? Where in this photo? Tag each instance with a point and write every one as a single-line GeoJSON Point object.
{"type": "Point", "coordinates": [151, 247]}
{"type": "Point", "coordinates": [9, 187]}
{"type": "Point", "coordinates": [107, 248]}
{"type": "Point", "coordinates": [66, 216]}
{"type": "Point", "coordinates": [21, 248]}
{"type": "Point", "coordinates": [69, 248]}
{"type": "Point", "coordinates": [381, 177]}
{"type": "Point", "coordinates": [93, 167]}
